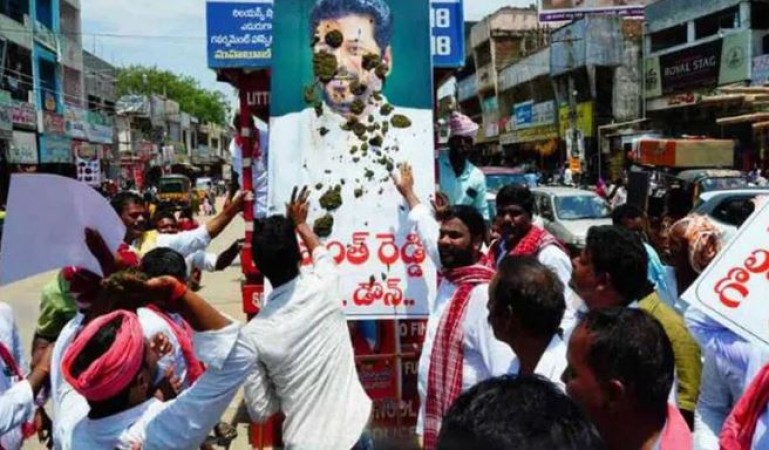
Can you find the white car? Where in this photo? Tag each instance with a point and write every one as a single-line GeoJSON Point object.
{"type": "Point", "coordinates": [568, 213]}
{"type": "Point", "coordinates": [729, 209]}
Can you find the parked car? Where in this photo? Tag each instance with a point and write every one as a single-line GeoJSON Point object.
{"type": "Point", "coordinates": [729, 209]}
{"type": "Point", "coordinates": [568, 213]}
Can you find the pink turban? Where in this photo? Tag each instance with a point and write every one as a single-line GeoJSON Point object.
{"type": "Point", "coordinates": [116, 368]}
{"type": "Point", "coordinates": [461, 125]}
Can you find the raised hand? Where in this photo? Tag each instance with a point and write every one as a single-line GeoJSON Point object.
{"type": "Point", "coordinates": [299, 207]}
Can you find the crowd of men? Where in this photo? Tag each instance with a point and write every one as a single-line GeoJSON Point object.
{"type": "Point", "coordinates": [524, 348]}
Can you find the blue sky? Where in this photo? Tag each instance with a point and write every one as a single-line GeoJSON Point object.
{"type": "Point", "coordinates": [118, 31]}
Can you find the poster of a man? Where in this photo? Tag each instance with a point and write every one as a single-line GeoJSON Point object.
{"type": "Point", "coordinates": [351, 99]}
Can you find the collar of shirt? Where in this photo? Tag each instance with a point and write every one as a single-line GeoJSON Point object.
{"type": "Point", "coordinates": [444, 159]}
{"type": "Point", "coordinates": [282, 291]}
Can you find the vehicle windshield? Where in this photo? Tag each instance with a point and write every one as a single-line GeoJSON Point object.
{"type": "Point", "coordinates": [720, 184]}
{"type": "Point", "coordinates": [579, 207]}
{"type": "Point", "coordinates": [172, 187]}
{"type": "Point", "coordinates": [496, 182]}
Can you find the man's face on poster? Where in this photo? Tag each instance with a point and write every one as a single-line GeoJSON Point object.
{"type": "Point", "coordinates": [359, 40]}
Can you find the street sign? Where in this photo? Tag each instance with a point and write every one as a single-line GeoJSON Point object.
{"type": "Point", "coordinates": [448, 33]}
{"type": "Point", "coordinates": [733, 289]}
{"type": "Point", "coordinates": [239, 34]}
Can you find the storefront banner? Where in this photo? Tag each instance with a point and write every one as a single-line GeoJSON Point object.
{"type": "Point", "coordinates": [76, 122]}
{"type": "Point", "coordinates": [447, 22]}
{"type": "Point", "coordinates": [584, 119]}
{"type": "Point", "coordinates": [6, 124]}
{"type": "Point", "coordinates": [342, 131]}
{"type": "Point", "coordinates": [533, 134]}
{"type": "Point", "coordinates": [239, 34]}
{"type": "Point", "coordinates": [23, 148]}
{"type": "Point", "coordinates": [715, 63]}
{"type": "Point", "coordinates": [101, 134]}
{"type": "Point", "coordinates": [760, 74]}
{"type": "Point", "coordinates": [543, 113]}
{"type": "Point", "coordinates": [55, 149]}
{"type": "Point", "coordinates": [54, 123]}
{"type": "Point", "coordinates": [561, 10]}
{"type": "Point", "coordinates": [23, 115]}
{"type": "Point", "coordinates": [523, 114]}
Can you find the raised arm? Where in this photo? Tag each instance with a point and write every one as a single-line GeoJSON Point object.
{"type": "Point", "coordinates": [297, 211]}
{"type": "Point", "coordinates": [216, 225]}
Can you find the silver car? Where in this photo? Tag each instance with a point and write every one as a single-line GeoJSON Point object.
{"type": "Point", "coordinates": [729, 209]}
{"type": "Point", "coordinates": [568, 213]}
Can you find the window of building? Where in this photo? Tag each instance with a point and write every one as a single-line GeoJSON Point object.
{"type": "Point", "coordinates": [669, 37]}
{"type": "Point", "coordinates": [759, 18]}
{"type": "Point", "coordinates": [714, 23]}
{"type": "Point", "coordinates": [17, 76]}
{"type": "Point", "coordinates": [45, 12]}
{"type": "Point", "coordinates": [15, 9]}
{"type": "Point", "coordinates": [48, 91]}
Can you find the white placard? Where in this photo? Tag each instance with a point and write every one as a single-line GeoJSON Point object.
{"type": "Point", "coordinates": [45, 226]}
{"type": "Point", "coordinates": [734, 289]}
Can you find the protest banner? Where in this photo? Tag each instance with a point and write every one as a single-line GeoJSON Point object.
{"type": "Point", "coordinates": [734, 288]}
{"type": "Point", "coordinates": [337, 127]}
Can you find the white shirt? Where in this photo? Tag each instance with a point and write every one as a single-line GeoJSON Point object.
{"type": "Point", "coordinates": [306, 366]}
{"type": "Point", "coordinates": [259, 172]}
{"type": "Point", "coordinates": [484, 356]}
{"type": "Point", "coordinates": [551, 364]}
{"type": "Point", "coordinates": [203, 261]}
{"type": "Point", "coordinates": [17, 404]}
{"type": "Point", "coordinates": [69, 407]}
{"type": "Point", "coordinates": [186, 242]}
{"type": "Point", "coordinates": [184, 422]}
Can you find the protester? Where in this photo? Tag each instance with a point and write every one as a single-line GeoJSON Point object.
{"type": "Point", "coordinates": [526, 306]}
{"type": "Point", "coordinates": [305, 367]}
{"type": "Point", "coordinates": [459, 349]}
{"type": "Point", "coordinates": [112, 365]}
{"type": "Point", "coordinates": [611, 272]}
{"type": "Point", "coordinates": [730, 362]}
{"type": "Point", "coordinates": [460, 180]}
{"type": "Point", "coordinates": [617, 193]}
{"type": "Point", "coordinates": [131, 210]}
{"type": "Point", "coordinates": [514, 413]}
{"type": "Point", "coordinates": [620, 373]}
{"type": "Point", "coordinates": [17, 388]}
{"type": "Point", "coordinates": [633, 219]}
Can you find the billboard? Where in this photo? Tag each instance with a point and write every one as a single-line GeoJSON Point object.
{"type": "Point", "coordinates": [240, 33]}
{"type": "Point", "coordinates": [559, 10]}
{"type": "Point", "coordinates": [351, 98]}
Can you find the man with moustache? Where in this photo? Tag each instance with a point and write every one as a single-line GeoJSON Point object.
{"type": "Point", "coordinates": [460, 349]}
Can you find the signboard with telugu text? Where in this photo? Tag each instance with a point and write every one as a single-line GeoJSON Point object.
{"type": "Point", "coordinates": [734, 288]}
{"type": "Point", "coordinates": [560, 10]}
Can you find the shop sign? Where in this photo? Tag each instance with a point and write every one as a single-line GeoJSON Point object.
{"type": "Point", "coordinates": [760, 70]}
{"type": "Point", "coordinates": [533, 134]}
{"type": "Point", "coordinates": [55, 149]}
{"type": "Point", "coordinates": [100, 134]}
{"type": "Point", "coordinates": [84, 150]}
{"type": "Point", "coordinates": [23, 114]}
{"type": "Point", "coordinates": [584, 119]}
{"type": "Point", "coordinates": [239, 34]}
{"type": "Point", "coordinates": [54, 123]}
{"type": "Point", "coordinates": [75, 123]}
{"type": "Point", "coordinates": [6, 125]}
{"type": "Point", "coordinates": [543, 113]}
{"type": "Point", "coordinates": [673, 101]}
{"type": "Point", "coordinates": [523, 114]}
{"type": "Point", "coordinates": [707, 65]}
{"type": "Point", "coordinates": [23, 148]}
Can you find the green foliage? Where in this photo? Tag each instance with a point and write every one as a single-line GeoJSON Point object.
{"type": "Point", "coordinates": [206, 105]}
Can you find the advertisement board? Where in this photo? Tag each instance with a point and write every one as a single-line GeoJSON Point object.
{"type": "Point", "coordinates": [342, 130]}
{"type": "Point", "coordinates": [23, 148]}
{"type": "Point", "coordinates": [560, 10]}
{"type": "Point", "coordinates": [584, 119]}
{"type": "Point", "coordinates": [714, 63]}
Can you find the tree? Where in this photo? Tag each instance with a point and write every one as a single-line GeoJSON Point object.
{"type": "Point", "coordinates": [206, 105]}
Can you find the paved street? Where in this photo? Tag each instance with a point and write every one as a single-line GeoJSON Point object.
{"type": "Point", "coordinates": [222, 289]}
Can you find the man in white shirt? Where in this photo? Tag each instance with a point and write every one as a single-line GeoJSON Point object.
{"type": "Point", "coordinates": [112, 365]}
{"type": "Point", "coordinates": [305, 366]}
{"type": "Point", "coordinates": [17, 390]}
{"type": "Point", "coordinates": [526, 306]}
{"type": "Point", "coordinates": [352, 137]}
{"type": "Point", "coordinates": [454, 246]}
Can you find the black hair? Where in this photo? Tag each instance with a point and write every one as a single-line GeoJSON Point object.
{"type": "Point", "coordinates": [626, 212]}
{"type": "Point", "coordinates": [120, 201]}
{"type": "Point", "coordinates": [161, 214]}
{"type": "Point", "coordinates": [165, 262]}
{"type": "Point", "coordinates": [470, 216]}
{"type": "Point", "coordinates": [275, 248]}
{"type": "Point", "coordinates": [377, 9]}
{"type": "Point", "coordinates": [517, 412]}
{"type": "Point", "coordinates": [97, 346]}
{"type": "Point", "coordinates": [629, 345]}
{"type": "Point", "coordinates": [620, 253]}
{"type": "Point", "coordinates": [518, 195]}
{"type": "Point", "coordinates": [236, 122]}
{"type": "Point", "coordinates": [533, 292]}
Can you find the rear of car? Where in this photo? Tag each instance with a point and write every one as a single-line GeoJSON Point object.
{"type": "Point", "coordinates": [569, 213]}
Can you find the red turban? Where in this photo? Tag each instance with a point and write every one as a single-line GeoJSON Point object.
{"type": "Point", "coordinates": [113, 371]}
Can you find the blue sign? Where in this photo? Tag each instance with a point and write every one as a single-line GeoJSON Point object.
{"type": "Point", "coordinates": [448, 25]}
{"type": "Point", "coordinates": [524, 114]}
{"type": "Point", "coordinates": [239, 34]}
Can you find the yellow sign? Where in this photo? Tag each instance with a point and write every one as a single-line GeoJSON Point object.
{"type": "Point", "coordinates": [575, 165]}
{"type": "Point", "coordinates": [584, 119]}
{"type": "Point", "coordinates": [530, 135]}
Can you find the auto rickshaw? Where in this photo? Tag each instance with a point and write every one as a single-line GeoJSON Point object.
{"type": "Point", "coordinates": [175, 192]}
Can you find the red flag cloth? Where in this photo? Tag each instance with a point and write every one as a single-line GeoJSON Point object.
{"type": "Point", "coordinates": [738, 430]}
{"type": "Point", "coordinates": [113, 371]}
{"type": "Point", "coordinates": [444, 380]}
